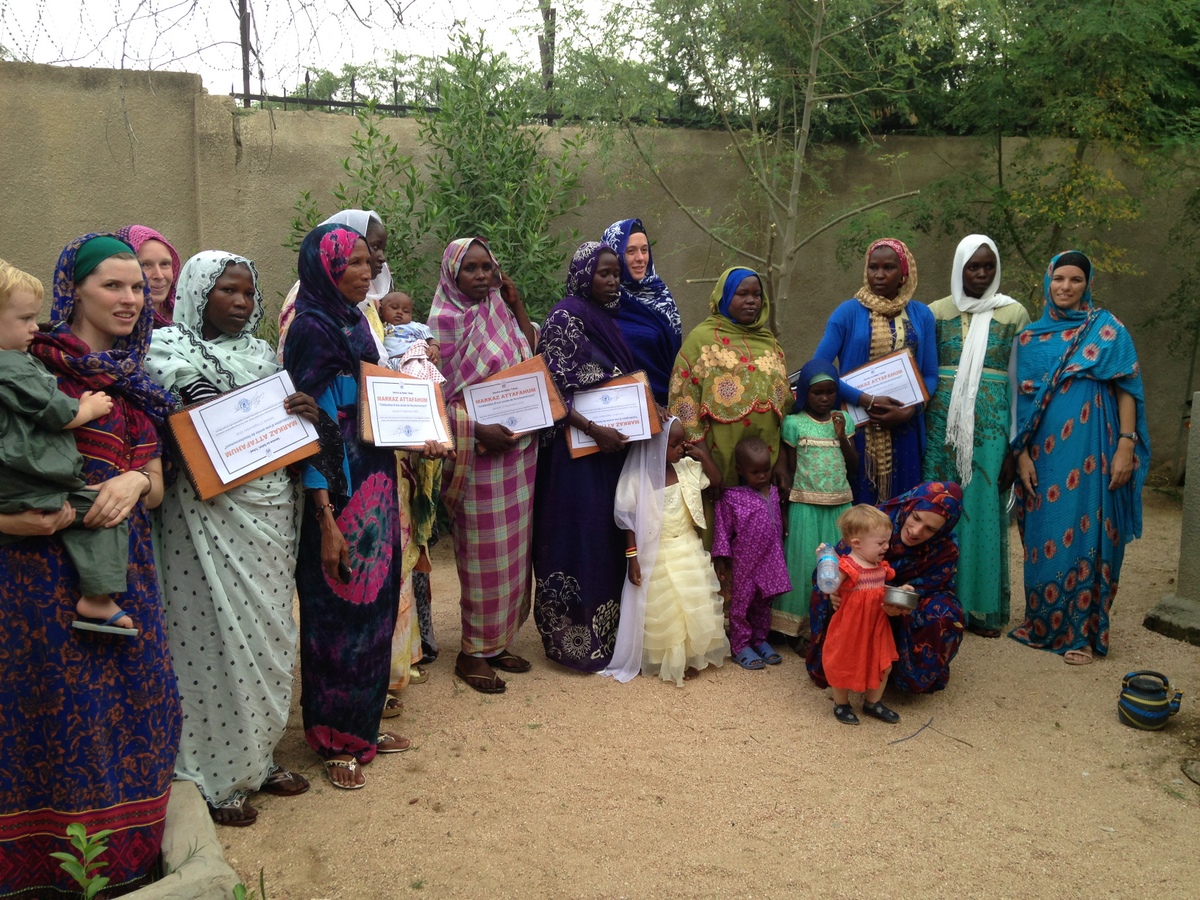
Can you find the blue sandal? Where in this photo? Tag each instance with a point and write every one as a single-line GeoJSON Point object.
{"type": "Point", "coordinates": [768, 654]}
{"type": "Point", "coordinates": [748, 659]}
{"type": "Point", "coordinates": [105, 626]}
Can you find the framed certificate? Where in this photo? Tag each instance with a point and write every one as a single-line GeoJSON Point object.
{"type": "Point", "coordinates": [522, 398]}
{"type": "Point", "coordinates": [233, 439]}
{"type": "Point", "coordinates": [894, 375]}
{"type": "Point", "coordinates": [624, 403]}
{"type": "Point", "coordinates": [397, 410]}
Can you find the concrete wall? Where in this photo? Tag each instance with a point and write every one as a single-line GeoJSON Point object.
{"type": "Point", "coordinates": [88, 149]}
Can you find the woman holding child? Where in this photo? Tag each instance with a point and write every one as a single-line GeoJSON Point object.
{"type": "Point", "coordinates": [89, 723]}
{"type": "Point", "coordinates": [730, 380]}
{"type": "Point", "coordinates": [579, 552]}
{"type": "Point", "coordinates": [481, 327]}
{"type": "Point", "coordinates": [228, 564]}
{"type": "Point", "coordinates": [923, 552]}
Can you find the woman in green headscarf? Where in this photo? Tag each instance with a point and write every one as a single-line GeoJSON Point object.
{"type": "Point", "coordinates": [729, 380]}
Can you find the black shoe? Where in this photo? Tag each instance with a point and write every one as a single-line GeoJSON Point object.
{"type": "Point", "coordinates": [878, 711]}
{"type": "Point", "coordinates": [844, 714]}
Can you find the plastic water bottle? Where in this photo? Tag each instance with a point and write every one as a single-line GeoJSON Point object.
{"type": "Point", "coordinates": [827, 570]}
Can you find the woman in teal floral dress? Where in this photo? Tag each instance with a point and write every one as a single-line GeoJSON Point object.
{"type": "Point", "coordinates": [967, 422]}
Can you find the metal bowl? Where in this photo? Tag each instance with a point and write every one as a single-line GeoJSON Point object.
{"type": "Point", "coordinates": [902, 598]}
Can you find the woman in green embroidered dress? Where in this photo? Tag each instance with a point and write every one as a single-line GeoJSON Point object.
{"type": "Point", "coordinates": [968, 421]}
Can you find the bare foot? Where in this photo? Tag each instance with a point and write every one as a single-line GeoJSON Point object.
{"type": "Point", "coordinates": [103, 608]}
{"type": "Point", "coordinates": [691, 673]}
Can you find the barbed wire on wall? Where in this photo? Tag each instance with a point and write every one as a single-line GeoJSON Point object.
{"type": "Point", "coordinates": [287, 37]}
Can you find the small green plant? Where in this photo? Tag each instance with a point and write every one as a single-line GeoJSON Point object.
{"type": "Point", "coordinates": [82, 864]}
{"type": "Point", "coordinates": [241, 892]}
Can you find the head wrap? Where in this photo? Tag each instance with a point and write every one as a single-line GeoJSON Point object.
{"type": "Point", "coordinates": [930, 566]}
{"type": "Point", "coordinates": [960, 412]}
{"type": "Point", "coordinates": [1073, 258]}
{"type": "Point", "coordinates": [812, 372]}
{"type": "Point", "coordinates": [582, 270]}
{"type": "Point", "coordinates": [734, 278]}
{"type": "Point", "coordinates": [180, 356]}
{"type": "Point", "coordinates": [725, 370]}
{"type": "Point", "coordinates": [135, 236]}
{"type": "Point", "coordinates": [117, 371]}
{"type": "Point", "coordinates": [884, 340]}
{"type": "Point", "coordinates": [96, 251]}
{"type": "Point", "coordinates": [328, 336]}
{"type": "Point", "coordinates": [1068, 258]}
{"type": "Point", "coordinates": [651, 291]}
{"type": "Point", "coordinates": [359, 220]}
{"type": "Point", "coordinates": [477, 339]}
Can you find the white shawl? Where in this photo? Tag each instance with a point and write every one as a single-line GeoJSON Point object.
{"type": "Point", "coordinates": [960, 417]}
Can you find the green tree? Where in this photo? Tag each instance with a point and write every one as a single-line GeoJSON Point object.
{"type": "Point", "coordinates": [490, 174]}
{"type": "Point", "coordinates": [1064, 97]}
{"type": "Point", "coordinates": [779, 77]}
{"type": "Point", "coordinates": [377, 176]}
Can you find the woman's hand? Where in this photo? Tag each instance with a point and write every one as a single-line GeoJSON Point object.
{"type": "Point", "coordinates": [495, 438]}
{"type": "Point", "coordinates": [888, 412]}
{"type": "Point", "coordinates": [1122, 464]}
{"type": "Point", "coordinates": [302, 405]}
{"type": "Point", "coordinates": [509, 293]}
{"type": "Point", "coordinates": [891, 609]}
{"type": "Point", "coordinates": [635, 572]}
{"type": "Point", "coordinates": [334, 550]}
{"type": "Point", "coordinates": [609, 440]}
{"type": "Point", "coordinates": [1008, 472]}
{"type": "Point", "coordinates": [663, 414]}
{"type": "Point", "coordinates": [435, 450]}
{"type": "Point", "coordinates": [116, 499]}
{"type": "Point", "coordinates": [1027, 473]}
{"type": "Point", "coordinates": [36, 523]}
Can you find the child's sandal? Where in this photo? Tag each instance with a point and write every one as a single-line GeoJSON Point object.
{"type": "Point", "coordinates": [748, 659]}
{"type": "Point", "coordinates": [878, 711]}
{"type": "Point", "coordinates": [844, 714]}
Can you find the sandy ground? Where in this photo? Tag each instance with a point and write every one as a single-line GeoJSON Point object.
{"type": "Point", "coordinates": [741, 784]}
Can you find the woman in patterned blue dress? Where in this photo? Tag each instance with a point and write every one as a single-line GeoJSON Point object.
{"type": "Point", "coordinates": [1082, 457]}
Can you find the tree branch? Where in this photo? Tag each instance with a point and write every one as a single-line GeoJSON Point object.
{"type": "Point", "coordinates": [854, 212]}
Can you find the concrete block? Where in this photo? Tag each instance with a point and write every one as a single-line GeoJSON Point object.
{"type": "Point", "coordinates": [1176, 617]}
{"type": "Point", "coordinates": [192, 856]}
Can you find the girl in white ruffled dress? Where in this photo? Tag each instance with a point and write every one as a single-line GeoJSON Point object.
{"type": "Point", "coordinates": [671, 610]}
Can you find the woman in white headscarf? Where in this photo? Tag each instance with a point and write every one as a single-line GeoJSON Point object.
{"type": "Point", "coordinates": [968, 421]}
{"type": "Point", "coordinates": [227, 565]}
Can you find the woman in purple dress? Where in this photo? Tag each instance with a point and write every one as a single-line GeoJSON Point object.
{"type": "Point", "coordinates": [578, 550]}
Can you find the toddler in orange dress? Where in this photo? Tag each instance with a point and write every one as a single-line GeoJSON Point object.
{"type": "Point", "coordinates": [859, 647]}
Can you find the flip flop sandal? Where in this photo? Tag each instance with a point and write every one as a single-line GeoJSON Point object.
{"type": "Point", "coordinates": [509, 662]}
{"type": "Point", "coordinates": [106, 626]}
{"type": "Point", "coordinates": [392, 707]}
{"type": "Point", "coordinates": [352, 765]}
{"type": "Point", "coordinates": [386, 737]}
{"type": "Point", "coordinates": [485, 684]}
{"type": "Point", "coordinates": [243, 814]}
{"type": "Point", "coordinates": [283, 783]}
{"type": "Point", "coordinates": [768, 654]}
{"type": "Point", "coordinates": [748, 659]}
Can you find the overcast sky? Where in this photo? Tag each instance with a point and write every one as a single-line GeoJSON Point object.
{"type": "Point", "coordinates": [201, 36]}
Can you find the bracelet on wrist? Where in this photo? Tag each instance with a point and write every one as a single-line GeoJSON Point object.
{"type": "Point", "coordinates": [631, 552]}
{"type": "Point", "coordinates": [869, 405]}
{"type": "Point", "coordinates": [149, 481]}
{"type": "Point", "coordinates": [320, 509]}
{"type": "Point", "coordinates": [587, 429]}
{"type": "Point", "coordinates": [1132, 435]}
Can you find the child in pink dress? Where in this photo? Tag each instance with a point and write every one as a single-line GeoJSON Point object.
{"type": "Point", "coordinates": [748, 530]}
{"type": "Point", "coordinates": [859, 647]}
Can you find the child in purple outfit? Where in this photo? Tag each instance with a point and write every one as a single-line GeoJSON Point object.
{"type": "Point", "coordinates": [748, 529]}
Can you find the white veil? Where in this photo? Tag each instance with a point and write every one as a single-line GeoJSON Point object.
{"type": "Point", "coordinates": [639, 508]}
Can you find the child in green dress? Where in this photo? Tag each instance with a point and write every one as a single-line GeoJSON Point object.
{"type": "Point", "coordinates": [817, 454]}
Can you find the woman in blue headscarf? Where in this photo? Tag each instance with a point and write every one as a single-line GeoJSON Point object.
{"type": "Point", "coordinates": [649, 318]}
{"type": "Point", "coordinates": [1082, 456]}
{"type": "Point", "coordinates": [819, 458]}
{"type": "Point", "coordinates": [729, 379]}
